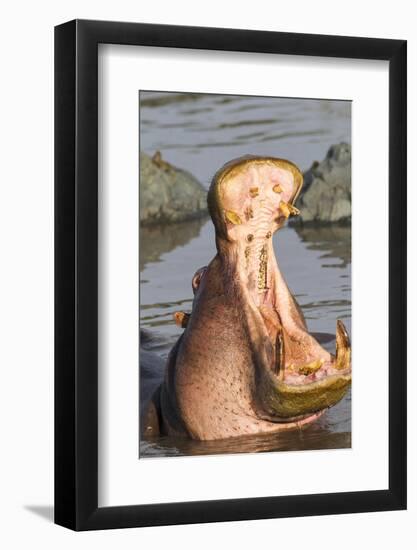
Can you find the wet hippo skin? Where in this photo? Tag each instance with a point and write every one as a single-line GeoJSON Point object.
{"type": "Point", "coordinates": [246, 363]}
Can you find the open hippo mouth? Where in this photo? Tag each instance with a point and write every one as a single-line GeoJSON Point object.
{"type": "Point", "coordinates": [246, 362]}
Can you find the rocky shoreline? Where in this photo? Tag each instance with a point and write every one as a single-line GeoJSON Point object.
{"type": "Point", "coordinates": [326, 193]}
{"type": "Point", "coordinates": [169, 194]}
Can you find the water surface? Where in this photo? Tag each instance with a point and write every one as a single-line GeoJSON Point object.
{"type": "Point", "coordinates": [200, 132]}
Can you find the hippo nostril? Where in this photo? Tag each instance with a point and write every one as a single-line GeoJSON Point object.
{"type": "Point", "coordinates": [277, 189]}
{"type": "Point", "coordinates": [249, 238]}
{"type": "Point", "coordinates": [254, 191]}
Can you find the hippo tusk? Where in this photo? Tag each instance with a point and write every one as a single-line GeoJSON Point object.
{"type": "Point", "coordinates": [232, 217]}
{"type": "Point", "coordinates": [291, 401]}
{"type": "Point", "coordinates": [280, 355]}
{"type": "Point", "coordinates": [343, 349]}
{"type": "Point", "coordinates": [307, 369]}
{"type": "Point", "coordinates": [288, 209]}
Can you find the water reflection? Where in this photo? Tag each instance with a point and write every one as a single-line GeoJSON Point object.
{"type": "Point", "coordinates": [333, 240]}
{"type": "Point", "coordinates": [156, 240]}
{"type": "Point", "coordinates": [311, 438]}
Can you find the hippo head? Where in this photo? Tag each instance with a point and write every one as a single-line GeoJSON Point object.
{"type": "Point", "coordinates": [246, 363]}
{"type": "Point", "coordinates": [249, 199]}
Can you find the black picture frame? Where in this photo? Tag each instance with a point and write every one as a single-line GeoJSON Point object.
{"type": "Point", "coordinates": [76, 272]}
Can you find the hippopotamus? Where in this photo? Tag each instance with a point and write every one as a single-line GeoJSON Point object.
{"type": "Point", "coordinates": [246, 362]}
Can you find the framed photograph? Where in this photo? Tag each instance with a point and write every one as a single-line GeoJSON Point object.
{"type": "Point", "coordinates": [230, 255]}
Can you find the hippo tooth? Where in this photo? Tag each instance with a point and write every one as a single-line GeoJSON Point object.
{"type": "Point", "coordinates": [288, 209]}
{"type": "Point", "coordinates": [283, 207]}
{"type": "Point", "coordinates": [293, 210]}
{"type": "Point", "coordinates": [280, 355]}
{"type": "Point", "coordinates": [308, 368]}
{"type": "Point", "coordinates": [232, 217]}
{"type": "Point", "coordinates": [343, 350]}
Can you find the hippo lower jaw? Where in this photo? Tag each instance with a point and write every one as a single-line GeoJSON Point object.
{"type": "Point", "coordinates": [256, 197]}
{"type": "Point", "coordinates": [299, 378]}
{"type": "Point", "coordinates": [289, 402]}
{"type": "Point", "coordinates": [316, 385]}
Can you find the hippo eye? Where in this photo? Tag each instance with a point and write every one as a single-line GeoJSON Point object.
{"type": "Point", "coordinates": [277, 189]}
{"type": "Point", "coordinates": [268, 235]}
{"type": "Point", "coordinates": [249, 238]}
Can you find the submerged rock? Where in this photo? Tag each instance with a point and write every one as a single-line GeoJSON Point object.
{"type": "Point", "coordinates": [167, 193]}
{"type": "Point", "coordinates": [326, 194]}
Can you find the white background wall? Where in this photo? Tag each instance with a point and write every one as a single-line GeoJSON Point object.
{"type": "Point", "coordinates": [26, 286]}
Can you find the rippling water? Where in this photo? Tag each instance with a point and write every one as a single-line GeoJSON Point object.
{"type": "Point", "coordinates": [200, 133]}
